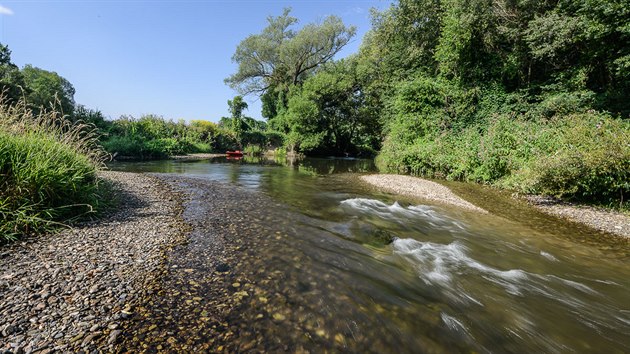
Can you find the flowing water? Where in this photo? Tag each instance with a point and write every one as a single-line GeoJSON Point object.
{"type": "Point", "coordinates": [330, 263]}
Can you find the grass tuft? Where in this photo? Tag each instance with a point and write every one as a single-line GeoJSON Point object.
{"type": "Point", "coordinates": [48, 171]}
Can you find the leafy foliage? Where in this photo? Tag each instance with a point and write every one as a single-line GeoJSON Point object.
{"type": "Point", "coordinates": [153, 137]}
{"type": "Point", "coordinates": [280, 56]}
{"type": "Point", "coordinates": [512, 93]}
{"type": "Point", "coordinates": [328, 114]}
{"type": "Point", "coordinates": [12, 84]}
{"type": "Point", "coordinates": [48, 90]}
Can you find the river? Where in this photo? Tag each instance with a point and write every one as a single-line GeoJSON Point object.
{"type": "Point", "coordinates": [302, 257]}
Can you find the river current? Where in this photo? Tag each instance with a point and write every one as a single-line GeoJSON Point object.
{"type": "Point", "coordinates": [332, 264]}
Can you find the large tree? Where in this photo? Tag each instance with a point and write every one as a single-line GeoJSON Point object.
{"type": "Point", "coordinates": [280, 56]}
{"type": "Point", "coordinates": [329, 113]}
{"type": "Point", "coordinates": [48, 89]}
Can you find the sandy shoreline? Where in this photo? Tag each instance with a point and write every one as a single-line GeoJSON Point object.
{"type": "Point", "coordinates": [612, 222]}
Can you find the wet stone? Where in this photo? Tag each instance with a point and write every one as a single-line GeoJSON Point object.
{"type": "Point", "coordinates": [222, 267]}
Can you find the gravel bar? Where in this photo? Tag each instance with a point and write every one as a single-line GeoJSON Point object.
{"type": "Point", "coordinates": [600, 219]}
{"type": "Point", "coordinates": [202, 156]}
{"type": "Point", "coordinates": [612, 222]}
{"type": "Point", "coordinates": [71, 291]}
{"type": "Point", "coordinates": [419, 188]}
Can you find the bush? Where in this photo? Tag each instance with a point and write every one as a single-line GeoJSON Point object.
{"type": "Point", "coordinates": [274, 139]}
{"type": "Point", "coordinates": [591, 165]}
{"type": "Point", "coordinates": [254, 137]}
{"type": "Point", "coordinates": [125, 146]}
{"type": "Point", "coordinates": [582, 157]}
{"type": "Point", "coordinates": [253, 150]}
{"type": "Point", "coordinates": [153, 137]}
{"type": "Point", "coordinates": [47, 171]}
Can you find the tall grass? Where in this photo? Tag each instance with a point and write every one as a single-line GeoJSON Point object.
{"type": "Point", "coordinates": [47, 170]}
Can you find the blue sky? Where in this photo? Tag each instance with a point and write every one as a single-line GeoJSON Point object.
{"type": "Point", "coordinates": [162, 57]}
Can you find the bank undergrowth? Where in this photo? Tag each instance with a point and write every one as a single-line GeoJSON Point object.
{"type": "Point", "coordinates": [47, 171]}
{"type": "Point", "coordinates": [556, 145]}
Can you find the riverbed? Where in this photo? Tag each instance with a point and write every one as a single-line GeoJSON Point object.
{"type": "Point", "coordinates": [304, 257]}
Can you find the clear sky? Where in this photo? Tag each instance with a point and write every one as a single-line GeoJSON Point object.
{"type": "Point", "coordinates": [162, 57]}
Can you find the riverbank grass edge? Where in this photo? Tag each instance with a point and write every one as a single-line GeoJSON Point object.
{"type": "Point", "coordinates": [48, 169]}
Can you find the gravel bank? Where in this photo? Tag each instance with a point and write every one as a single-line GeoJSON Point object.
{"type": "Point", "coordinates": [600, 219]}
{"type": "Point", "coordinates": [71, 292]}
{"type": "Point", "coordinates": [418, 187]}
{"type": "Point", "coordinates": [196, 156]}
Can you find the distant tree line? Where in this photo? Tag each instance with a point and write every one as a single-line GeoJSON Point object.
{"type": "Point", "coordinates": [147, 137]}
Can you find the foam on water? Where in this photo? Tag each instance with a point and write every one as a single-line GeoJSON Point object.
{"type": "Point", "coordinates": [399, 214]}
{"type": "Point", "coordinates": [442, 265]}
{"type": "Point", "coordinates": [436, 263]}
{"type": "Point", "coordinates": [549, 256]}
{"type": "Point", "coordinates": [453, 323]}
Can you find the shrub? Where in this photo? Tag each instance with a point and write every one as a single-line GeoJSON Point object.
{"type": "Point", "coordinates": [253, 150]}
{"type": "Point", "coordinates": [592, 163]}
{"type": "Point", "coordinates": [153, 137]}
{"type": "Point", "coordinates": [124, 145]}
{"type": "Point", "coordinates": [580, 156]}
{"type": "Point", "coordinates": [274, 139]}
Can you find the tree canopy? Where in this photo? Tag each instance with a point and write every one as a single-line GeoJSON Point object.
{"type": "Point", "coordinates": [280, 56]}
{"type": "Point", "coordinates": [48, 89]}
{"type": "Point", "coordinates": [12, 84]}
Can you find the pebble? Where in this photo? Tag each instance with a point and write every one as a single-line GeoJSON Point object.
{"type": "Point", "coordinates": [65, 286]}
{"type": "Point", "coordinates": [612, 222]}
{"type": "Point", "coordinates": [113, 336]}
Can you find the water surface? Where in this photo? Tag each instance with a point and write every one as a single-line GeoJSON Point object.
{"type": "Point", "coordinates": [330, 263]}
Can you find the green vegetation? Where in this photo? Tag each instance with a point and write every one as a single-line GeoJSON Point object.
{"type": "Point", "coordinates": [521, 95]}
{"type": "Point", "coordinates": [530, 96]}
{"type": "Point", "coordinates": [280, 56]}
{"type": "Point", "coordinates": [153, 137]}
{"type": "Point", "coordinates": [11, 78]}
{"type": "Point", "coordinates": [47, 171]}
{"type": "Point", "coordinates": [276, 62]}
{"type": "Point", "coordinates": [253, 150]}
{"type": "Point", "coordinates": [47, 90]}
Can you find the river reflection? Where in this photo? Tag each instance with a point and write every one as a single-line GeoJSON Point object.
{"type": "Point", "coordinates": [331, 264]}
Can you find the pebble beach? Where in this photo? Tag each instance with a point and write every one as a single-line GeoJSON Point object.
{"type": "Point", "coordinates": [71, 291]}
{"type": "Point", "coordinates": [88, 287]}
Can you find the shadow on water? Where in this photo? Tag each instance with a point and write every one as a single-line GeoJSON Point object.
{"type": "Point", "coordinates": [322, 262]}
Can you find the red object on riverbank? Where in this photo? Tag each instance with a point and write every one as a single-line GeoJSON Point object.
{"type": "Point", "coordinates": [236, 153]}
